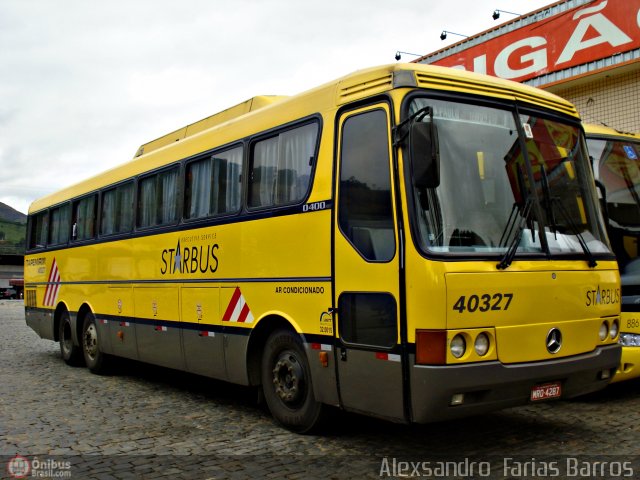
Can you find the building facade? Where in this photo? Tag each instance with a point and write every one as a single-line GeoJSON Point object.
{"type": "Point", "coordinates": [587, 51]}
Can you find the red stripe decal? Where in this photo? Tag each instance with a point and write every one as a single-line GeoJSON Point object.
{"type": "Point", "coordinates": [232, 305]}
{"type": "Point", "coordinates": [244, 313]}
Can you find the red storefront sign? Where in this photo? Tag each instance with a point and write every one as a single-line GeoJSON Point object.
{"type": "Point", "coordinates": [593, 31]}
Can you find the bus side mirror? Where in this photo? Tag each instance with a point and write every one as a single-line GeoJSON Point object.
{"type": "Point", "coordinates": [425, 158]}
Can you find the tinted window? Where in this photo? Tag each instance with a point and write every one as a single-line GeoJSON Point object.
{"type": "Point", "coordinates": [158, 199]}
{"type": "Point", "coordinates": [117, 210]}
{"type": "Point", "coordinates": [281, 167]}
{"type": "Point", "coordinates": [38, 230]}
{"type": "Point", "coordinates": [212, 185]}
{"type": "Point", "coordinates": [368, 319]}
{"type": "Point", "coordinates": [60, 225]}
{"type": "Point", "coordinates": [365, 208]}
{"type": "Point", "coordinates": [84, 219]}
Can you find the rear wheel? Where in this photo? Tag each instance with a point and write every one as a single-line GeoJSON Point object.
{"type": "Point", "coordinates": [71, 353]}
{"type": "Point", "coordinates": [95, 359]}
{"type": "Point", "coordinates": [286, 383]}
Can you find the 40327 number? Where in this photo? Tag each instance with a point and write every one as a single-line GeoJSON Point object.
{"type": "Point", "coordinates": [483, 303]}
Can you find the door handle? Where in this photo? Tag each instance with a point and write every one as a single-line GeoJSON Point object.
{"type": "Point", "coordinates": [343, 354]}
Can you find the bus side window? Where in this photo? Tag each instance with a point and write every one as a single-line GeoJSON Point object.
{"type": "Point", "coordinates": [368, 319]}
{"type": "Point", "coordinates": [60, 225]}
{"type": "Point", "coordinates": [281, 167]}
{"type": "Point", "coordinates": [38, 227]}
{"type": "Point", "coordinates": [213, 185]}
{"type": "Point", "coordinates": [365, 209]}
{"type": "Point", "coordinates": [84, 219]}
{"type": "Point", "coordinates": [117, 210]}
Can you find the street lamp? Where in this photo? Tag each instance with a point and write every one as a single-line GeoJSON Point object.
{"type": "Point", "coordinates": [399, 54]}
{"type": "Point", "coordinates": [443, 35]}
{"type": "Point", "coordinates": [496, 14]}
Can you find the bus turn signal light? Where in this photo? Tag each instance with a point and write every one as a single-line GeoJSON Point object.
{"type": "Point", "coordinates": [324, 359]}
{"type": "Point", "coordinates": [431, 347]}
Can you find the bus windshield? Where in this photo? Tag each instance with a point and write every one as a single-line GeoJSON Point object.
{"type": "Point", "coordinates": [616, 167]}
{"type": "Point", "coordinates": [494, 198]}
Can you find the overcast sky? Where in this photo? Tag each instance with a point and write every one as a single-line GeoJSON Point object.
{"type": "Point", "coordinates": [84, 83]}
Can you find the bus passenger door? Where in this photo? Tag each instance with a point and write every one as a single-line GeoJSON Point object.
{"type": "Point", "coordinates": [366, 267]}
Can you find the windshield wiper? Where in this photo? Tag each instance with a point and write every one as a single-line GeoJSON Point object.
{"type": "Point", "coordinates": [591, 261]}
{"type": "Point", "coordinates": [548, 202]}
{"type": "Point", "coordinates": [517, 219]}
{"type": "Point", "coordinates": [401, 131]}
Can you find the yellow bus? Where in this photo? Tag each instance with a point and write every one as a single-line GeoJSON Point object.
{"type": "Point", "coordinates": [408, 242]}
{"type": "Point", "coordinates": [615, 158]}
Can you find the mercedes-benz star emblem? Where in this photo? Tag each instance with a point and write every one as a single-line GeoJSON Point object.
{"type": "Point", "coordinates": [554, 340]}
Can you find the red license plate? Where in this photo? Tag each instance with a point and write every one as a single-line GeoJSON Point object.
{"type": "Point", "coordinates": [546, 391]}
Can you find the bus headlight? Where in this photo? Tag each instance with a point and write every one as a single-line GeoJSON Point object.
{"type": "Point", "coordinates": [629, 340]}
{"type": "Point", "coordinates": [482, 344]}
{"type": "Point", "coordinates": [458, 346]}
{"type": "Point", "coordinates": [604, 331]}
{"type": "Point", "coordinates": [613, 332]}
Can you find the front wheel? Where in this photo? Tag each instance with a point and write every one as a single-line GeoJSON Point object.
{"type": "Point", "coordinates": [286, 383]}
{"type": "Point", "coordinates": [71, 353]}
{"type": "Point", "coordinates": [95, 359]}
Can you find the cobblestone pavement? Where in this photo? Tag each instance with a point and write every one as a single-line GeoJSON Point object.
{"type": "Point", "coordinates": [147, 422]}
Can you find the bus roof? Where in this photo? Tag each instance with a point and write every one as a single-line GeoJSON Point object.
{"type": "Point", "coordinates": [593, 130]}
{"type": "Point", "coordinates": [269, 111]}
{"type": "Point", "coordinates": [250, 105]}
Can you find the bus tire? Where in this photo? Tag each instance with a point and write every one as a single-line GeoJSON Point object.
{"type": "Point", "coordinates": [95, 359]}
{"type": "Point", "coordinates": [287, 385]}
{"type": "Point", "coordinates": [71, 353]}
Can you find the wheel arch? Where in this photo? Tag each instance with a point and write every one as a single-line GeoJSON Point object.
{"type": "Point", "coordinates": [257, 340]}
{"type": "Point", "coordinates": [84, 309]}
{"type": "Point", "coordinates": [57, 314]}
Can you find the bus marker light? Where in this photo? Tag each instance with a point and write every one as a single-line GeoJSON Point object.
{"type": "Point", "coordinates": [613, 332]}
{"type": "Point", "coordinates": [458, 346]}
{"type": "Point", "coordinates": [482, 344]}
{"type": "Point", "coordinates": [431, 347]}
{"type": "Point", "coordinates": [604, 331]}
{"type": "Point", "coordinates": [457, 399]}
{"type": "Point", "coordinates": [120, 335]}
{"type": "Point", "coordinates": [324, 359]}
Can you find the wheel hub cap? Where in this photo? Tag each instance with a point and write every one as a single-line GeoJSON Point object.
{"type": "Point", "coordinates": [287, 378]}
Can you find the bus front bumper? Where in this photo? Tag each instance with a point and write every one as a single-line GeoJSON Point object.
{"type": "Point", "coordinates": [629, 367]}
{"type": "Point", "coordinates": [436, 390]}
